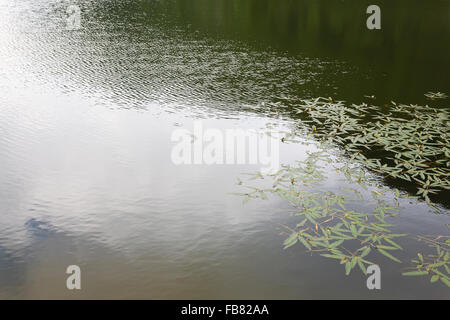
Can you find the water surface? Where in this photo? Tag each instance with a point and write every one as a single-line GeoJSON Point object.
{"type": "Point", "coordinates": [86, 122]}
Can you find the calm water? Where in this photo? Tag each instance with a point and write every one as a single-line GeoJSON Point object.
{"type": "Point", "coordinates": [86, 119]}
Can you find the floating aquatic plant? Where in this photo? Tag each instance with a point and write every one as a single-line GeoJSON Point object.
{"type": "Point", "coordinates": [409, 142]}
{"type": "Point", "coordinates": [436, 265]}
{"type": "Point", "coordinates": [436, 95]}
{"type": "Point", "coordinates": [328, 226]}
{"type": "Point", "coordinates": [328, 223]}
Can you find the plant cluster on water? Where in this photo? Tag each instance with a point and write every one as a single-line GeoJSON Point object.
{"type": "Point", "coordinates": [406, 142]}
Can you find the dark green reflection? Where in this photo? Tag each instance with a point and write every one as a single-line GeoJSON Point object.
{"type": "Point", "coordinates": [404, 60]}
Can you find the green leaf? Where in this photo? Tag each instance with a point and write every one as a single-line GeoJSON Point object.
{"type": "Point", "coordinates": [336, 244]}
{"type": "Point", "coordinates": [332, 256]}
{"type": "Point", "coordinates": [348, 268]}
{"type": "Point", "coordinates": [386, 247]}
{"type": "Point", "coordinates": [365, 252]}
{"type": "Point", "coordinates": [362, 266]}
{"type": "Point", "coordinates": [415, 273]}
{"type": "Point", "coordinates": [434, 278]}
{"type": "Point", "coordinates": [393, 243]}
{"type": "Point", "coordinates": [305, 243]}
{"type": "Point", "coordinates": [420, 257]}
{"type": "Point", "coordinates": [301, 224]}
{"type": "Point", "coordinates": [353, 230]}
{"type": "Point", "coordinates": [387, 254]}
{"type": "Point", "coordinates": [446, 281]}
{"type": "Point", "coordinates": [289, 242]}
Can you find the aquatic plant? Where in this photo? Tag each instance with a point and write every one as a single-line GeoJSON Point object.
{"type": "Point", "coordinates": [413, 141]}
{"type": "Point", "coordinates": [437, 265]}
{"type": "Point", "coordinates": [328, 226]}
{"type": "Point", "coordinates": [436, 95]}
{"type": "Point", "coordinates": [408, 142]}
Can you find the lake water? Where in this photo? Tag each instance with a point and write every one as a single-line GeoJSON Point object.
{"type": "Point", "coordinates": [86, 118]}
